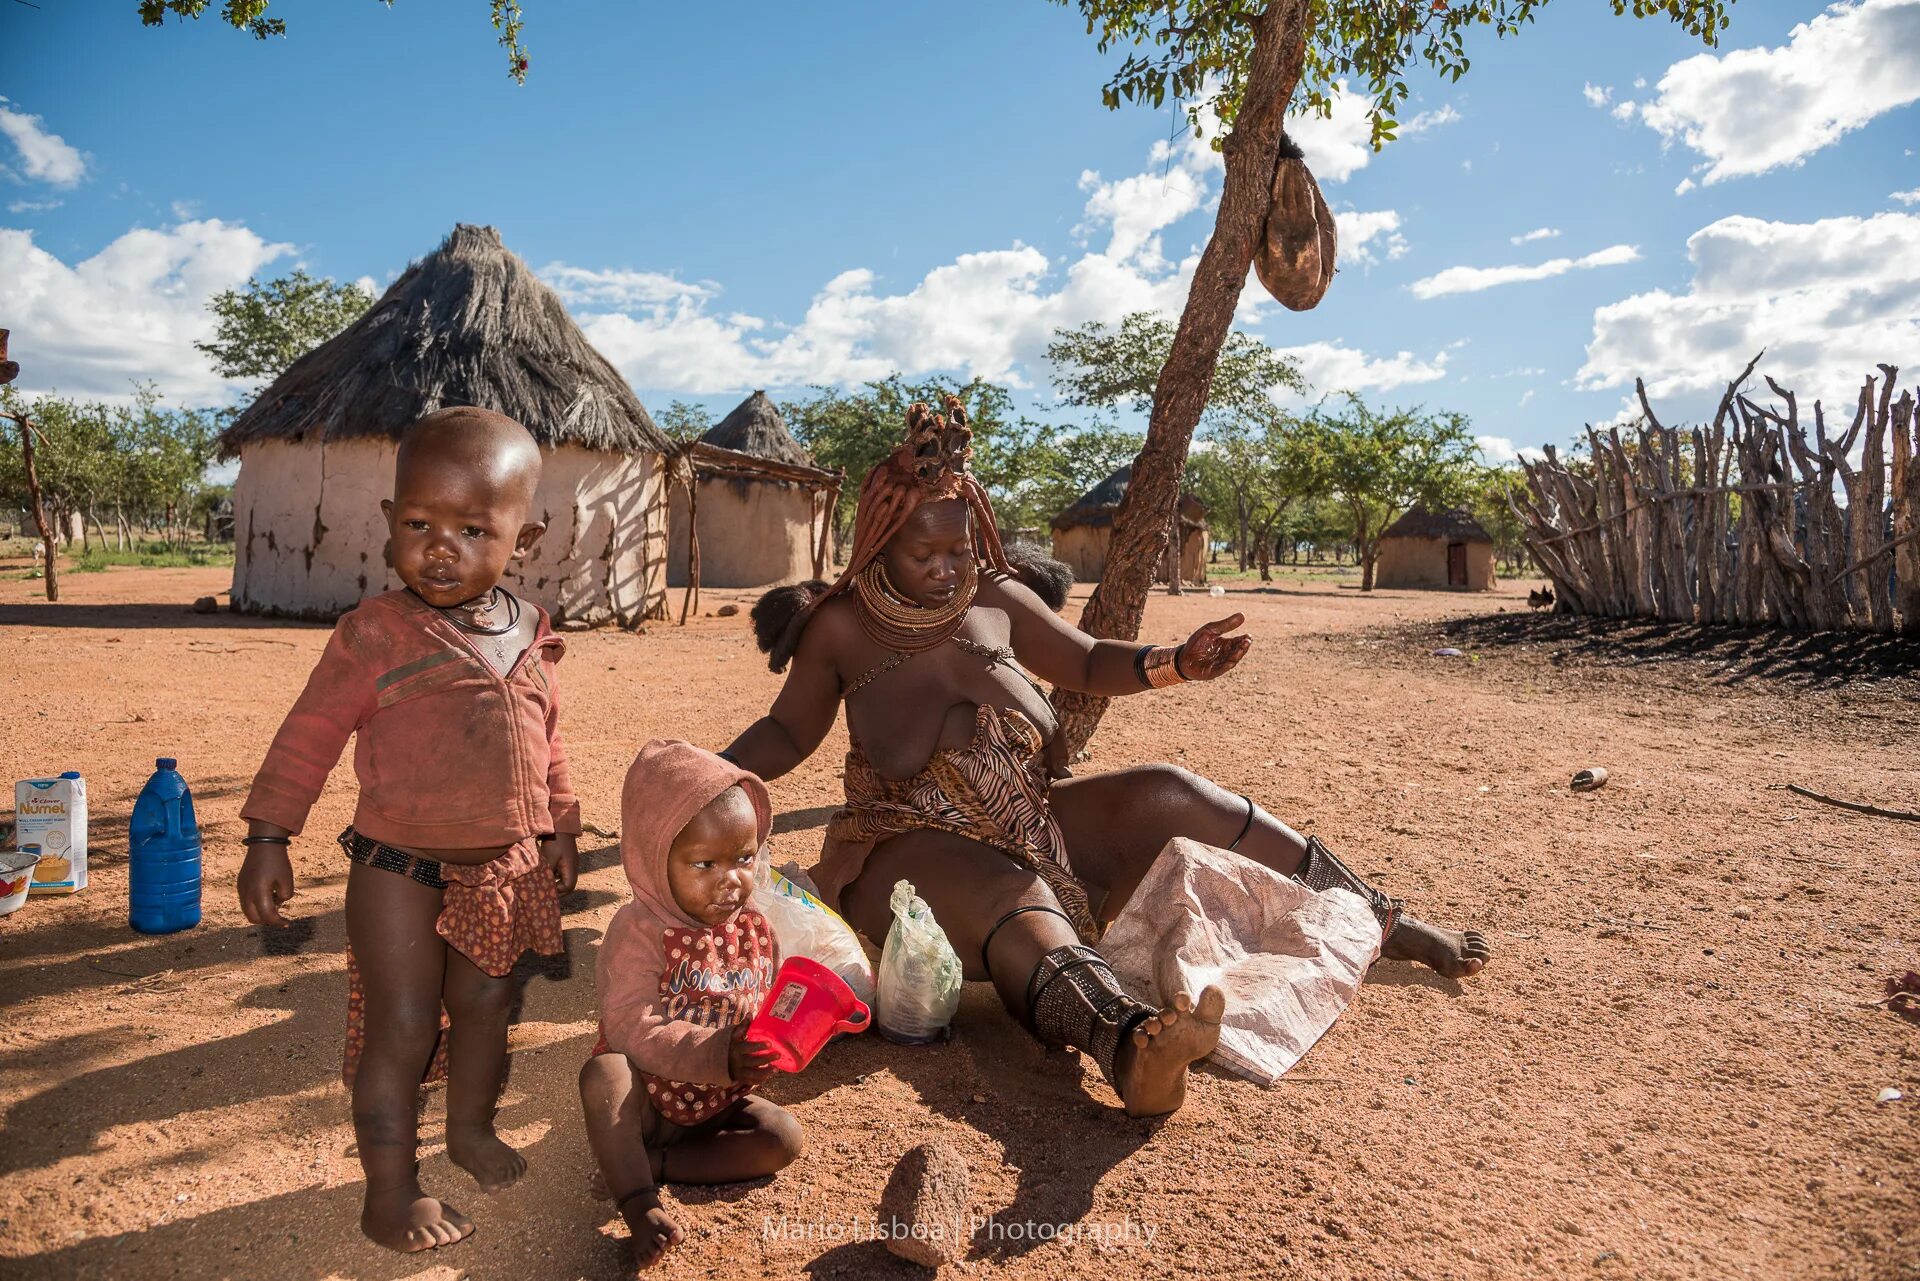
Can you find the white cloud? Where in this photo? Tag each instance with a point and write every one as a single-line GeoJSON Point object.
{"type": "Point", "coordinates": [1538, 233]}
{"type": "Point", "coordinates": [1497, 449]}
{"type": "Point", "coordinates": [1367, 238]}
{"type": "Point", "coordinates": [1682, 187]}
{"type": "Point", "coordinates": [1639, 82]}
{"type": "Point", "coordinates": [989, 313]}
{"type": "Point", "coordinates": [1442, 115]}
{"type": "Point", "coordinates": [1337, 146]}
{"type": "Point", "coordinates": [1624, 110]}
{"type": "Point", "coordinates": [33, 206]}
{"type": "Point", "coordinates": [1526, 396]}
{"type": "Point", "coordinates": [1138, 208]}
{"type": "Point", "coordinates": [1907, 197]}
{"type": "Point", "coordinates": [1336, 367]}
{"type": "Point", "coordinates": [584, 287]}
{"type": "Point", "coordinates": [1466, 280]}
{"type": "Point", "coordinates": [1827, 300]}
{"type": "Point", "coordinates": [130, 312]}
{"type": "Point", "coordinates": [1595, 95]}
{"type": "Point", "coordinates": [1751, 110]}
{"type": "Point", "coordinates": [44, 157]}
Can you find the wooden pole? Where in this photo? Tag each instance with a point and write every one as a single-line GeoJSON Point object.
{"type": "Point", "coordinates": [9, 370]}
{"type": "Point", "coordinates": [692, 598]}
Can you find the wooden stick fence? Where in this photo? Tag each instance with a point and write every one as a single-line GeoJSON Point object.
{"type": "Point", "coordinates": [1745, 521]}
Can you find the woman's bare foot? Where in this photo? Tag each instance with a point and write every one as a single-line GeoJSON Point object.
{"type": "Point", "coordinates": [653, 1232]}
{"type": "Point", "coordinates": [1153, 1062]}
{"type": "Point", "coordinates": [483, 1154]}
{"type": "Point", "coordinates": [1458, 954]}
{"type": "Point", "coordinates": [408, 1220]}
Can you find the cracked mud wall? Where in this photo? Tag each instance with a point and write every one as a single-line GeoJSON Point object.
{"type": "Point", "coordinates": [310, 540]}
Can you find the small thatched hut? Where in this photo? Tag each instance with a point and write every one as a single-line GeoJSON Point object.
{"type": "Point", "coordinates": [1082, 532]}
{"type": "Point", "coordinates": [1435, 549]}
{"type": "Point", "coordinates": [762, 506]}
{"type": "Point", "coordinates": [467, 325]}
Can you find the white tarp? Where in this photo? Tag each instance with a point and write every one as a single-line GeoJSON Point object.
{"type": "Point", "coordinates": [1288, 959]}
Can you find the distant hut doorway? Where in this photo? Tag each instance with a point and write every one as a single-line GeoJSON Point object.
{"type": "Point", "coordinates": [1445, 549]}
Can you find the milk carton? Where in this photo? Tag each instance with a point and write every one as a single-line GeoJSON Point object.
{"type": "Point", "coordinates": [50, 814]}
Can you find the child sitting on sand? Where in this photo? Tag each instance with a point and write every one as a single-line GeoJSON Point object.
{"type": "Point", "coordinates": [464, 834]}
{"type": "Point", "coordinates": [683, 969]}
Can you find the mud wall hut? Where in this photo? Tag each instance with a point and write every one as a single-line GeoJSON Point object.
{"type": "Point", "coordinates": [1435, 549]}
{"type": "Point", "coordinates": [762, 505]}
{"type": "Point", "coordinates": [1083, 532]}
{"type": "Point", "coordinates": [467, 325]}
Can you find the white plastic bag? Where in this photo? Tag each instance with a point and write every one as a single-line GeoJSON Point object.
{"type": "Point", "coordinates": [804, 926]}
{"type": "Point", "coordinates": [1288, 959]}
{"type": "Point", "coordinates": [919, 973]}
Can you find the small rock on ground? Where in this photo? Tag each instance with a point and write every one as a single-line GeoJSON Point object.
{"type": "Point", "coordinates": [925, 1206]}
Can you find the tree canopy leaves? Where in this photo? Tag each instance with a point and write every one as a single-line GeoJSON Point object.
{"type": "Point", "coordinates": [262, 329]}
{"type": "Point", "coordinates": [1198, 50]}
{"type": "Point", "coordinates": [251, 17]}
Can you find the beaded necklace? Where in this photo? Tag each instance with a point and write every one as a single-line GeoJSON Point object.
{"type": "Point", "coordinates": [896, 623]}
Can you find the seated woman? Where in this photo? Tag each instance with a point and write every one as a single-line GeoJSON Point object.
{"type": "Point", "coordinates": [947, 783]}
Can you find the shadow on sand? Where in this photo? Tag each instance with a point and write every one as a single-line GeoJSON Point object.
{"type": "Point", "coordinates": [1815, 660]}
{"type": "Point", "coordinates": [127, 617]}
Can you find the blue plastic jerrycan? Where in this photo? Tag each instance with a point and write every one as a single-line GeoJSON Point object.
{"type": "Point", "coordinates": [163, 854]}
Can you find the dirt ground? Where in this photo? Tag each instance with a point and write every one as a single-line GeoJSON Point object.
{"type": "Point", "coordinates": [1670, 1070]}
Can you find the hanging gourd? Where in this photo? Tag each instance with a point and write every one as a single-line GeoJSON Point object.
{"type": "Point", "coordinates": [1294, 259]}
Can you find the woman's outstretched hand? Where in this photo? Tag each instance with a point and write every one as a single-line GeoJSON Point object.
{"type": "Point", "coordinates": [1210, 652]}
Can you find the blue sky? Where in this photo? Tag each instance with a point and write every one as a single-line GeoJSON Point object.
{"type": "Point", "coordinates": [790, 194]}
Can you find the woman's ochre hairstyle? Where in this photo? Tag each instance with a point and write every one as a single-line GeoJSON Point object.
{"type": "Point", "coordinates": [930, 466]}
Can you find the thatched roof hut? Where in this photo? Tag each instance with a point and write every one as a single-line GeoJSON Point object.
{"type": "Point", "coordinates": [756, 427]}
{"type": "Point", "coordinates": [763, 508]}
{"type": "Point", "coordinates": [1435, 549]}
{"type": "Point", "coordinates": [467, 325]}
{"type": "Point", "coordinates": [1082, 533]}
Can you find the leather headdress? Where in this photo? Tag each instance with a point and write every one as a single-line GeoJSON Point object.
{"type": "Point", "coordinates": [929, 466]}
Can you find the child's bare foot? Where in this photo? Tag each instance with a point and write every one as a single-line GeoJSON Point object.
{"type": "Point", "coordinates": [653, 1232]}
{"type": "Point", "coordinates": [1153, 1062]}
{"type": "Point", "coordinates": [408, 1220]}
{"type": "Point", "coordinates": [483, 1154]}
{"type": "Point", "coordinates": [1458, 954]}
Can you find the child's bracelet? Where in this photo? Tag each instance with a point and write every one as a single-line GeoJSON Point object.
{"type": "Point", "coordinates": [266, 840]}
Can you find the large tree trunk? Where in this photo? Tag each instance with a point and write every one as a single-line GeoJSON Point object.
{"type": "Point", "coordinates": [1140, 526]}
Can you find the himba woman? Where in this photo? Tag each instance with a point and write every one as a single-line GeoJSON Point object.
{"type": "Point", "coordinates": [928, 637]}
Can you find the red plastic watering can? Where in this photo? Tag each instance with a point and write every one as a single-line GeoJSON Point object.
{"type": "Point", "coordinates": [807, 1006]}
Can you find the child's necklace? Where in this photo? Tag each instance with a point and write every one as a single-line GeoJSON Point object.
{"type": "Point", "coordinates": [480, 619]}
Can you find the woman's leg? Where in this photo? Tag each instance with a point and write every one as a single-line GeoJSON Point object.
{"type": "Point", "coordinates": [477, 1007]}
{"type": "Point", "coordinates": [1117, 823]}
{"type": "Point", "coordinates": [620, 1122]}
{"type": "Point", "coordinates": [402, 963]}
{"type": "Point", "coordinates": [972, 890]}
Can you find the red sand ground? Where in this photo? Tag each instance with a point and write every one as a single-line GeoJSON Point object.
{"type": "Point", "coordinates": [1669, 1071]}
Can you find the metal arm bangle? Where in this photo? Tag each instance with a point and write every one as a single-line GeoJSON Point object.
{"type": "Point", "coordinates": [266, 840]}
{"type": "Point", "coordinates": [1160, 666]}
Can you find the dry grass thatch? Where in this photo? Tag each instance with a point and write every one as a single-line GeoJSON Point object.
{"type": "Point", "coordinates": [467, 325]}
{"type": "Point", "coordinates": [1456, 526]}
{"type": "Point", "coordinates": [1097, 505]}
{"type": "Point", "coordinates": [755, 427]}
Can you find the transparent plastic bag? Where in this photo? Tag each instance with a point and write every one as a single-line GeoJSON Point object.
{"type": "Point", "coordinates": [804, 926]}
{"type": "Point", "coordinates": [919, 973]}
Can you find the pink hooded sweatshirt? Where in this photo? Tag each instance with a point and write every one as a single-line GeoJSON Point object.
{"type": "Point", "coordinates": [672, 990]}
